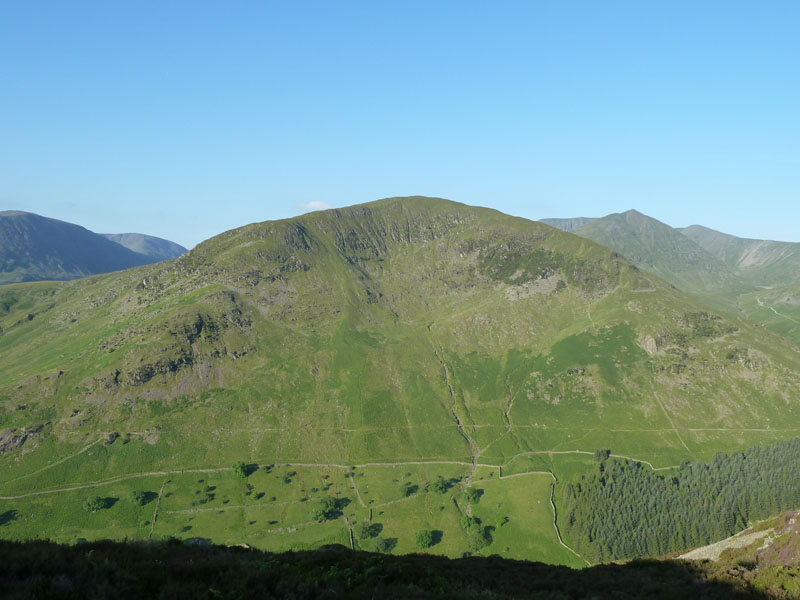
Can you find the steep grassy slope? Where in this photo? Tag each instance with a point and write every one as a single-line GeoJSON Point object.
{"type": "Point", "coordinates": [36, 248]}
{"type": "Point", "coordinates": [152, 247]}
{"type": "Point", "coordinates": [411, 338]}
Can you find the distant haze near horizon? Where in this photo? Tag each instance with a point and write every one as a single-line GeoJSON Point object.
{"type": "Point", "coordinates": [229, 115]}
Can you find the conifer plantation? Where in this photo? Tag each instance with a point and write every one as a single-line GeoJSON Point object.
{"type": "Point", "coordinates": [623, 509]}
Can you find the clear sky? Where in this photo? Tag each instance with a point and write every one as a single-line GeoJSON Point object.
{"type": "Point", "coordinates": [184, 119]}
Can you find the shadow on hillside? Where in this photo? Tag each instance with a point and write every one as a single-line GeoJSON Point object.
{"type": "Point", "coordinates": [371, 530]}
{"type": "Point", "coordinates": [8, 516]}
{"type": "Point", "coordinates": [390, 544]}
{"type": "Point", "coordinates": [148, 497]}
{"type": "Point", "coordinates": [189, 570]}
{"type": "Point", "coordinates": [110, 501]}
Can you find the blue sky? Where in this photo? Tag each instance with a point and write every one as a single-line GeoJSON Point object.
{"type": "Point", "coordinates": [184, 119]}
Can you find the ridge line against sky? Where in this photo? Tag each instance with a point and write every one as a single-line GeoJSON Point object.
{"type": "Point", "coordinates": [182, 120]}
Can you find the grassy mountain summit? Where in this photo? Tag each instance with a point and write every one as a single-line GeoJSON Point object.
{"type": "Point", "coordinates": [381, 360]}
{"type": "Point", "coordinates": [152, 247]}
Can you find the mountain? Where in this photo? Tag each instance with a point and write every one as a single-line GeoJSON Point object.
{"type": "Point", "coordinates": [756, 278]}
{"type": "Point", "coordinates": [410, 363]}
{"type": "Point", "coordinates": [154, 248]}
{"type": "Point", "coordinates": [771, 274]}
{"type": "Point", "coordinates": [660, 249]}
{"type": "Point", "coordinates": [567, 224]}
{"type": "Point", "coordinates": [761, 262]}
{"type": "Point", "coordinates": [38, 248]}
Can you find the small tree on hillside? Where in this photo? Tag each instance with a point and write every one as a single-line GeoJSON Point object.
{"type": "Point", "coordinates": [601, 454]}
{"type": "Point", "coordinates": [94, 503]}
{"type": "Point", "coordinates": [240, 469]}
{"type": "Point", "coordinates": [478, 536]}
{"type": "Point", "coordinates": [327, 510]}
{"type": "Point", "coordinates": [423, 539]}
{"type": "Point", "coordinates": [473, 495]}
{"type": "Point", "coordinates": [439, 485]}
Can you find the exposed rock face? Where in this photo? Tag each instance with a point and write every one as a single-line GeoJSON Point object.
{"type": "Point", "coordinates": [649, 345]}
{"type": "Point", "coordinates": [13, 439]}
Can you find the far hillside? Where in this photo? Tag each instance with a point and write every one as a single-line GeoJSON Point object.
{"type": "Point", "coordinates": [154, 247]}
{"type": "Point", "coordinates": [567, 224]}
{"type": "Point", "coordinates": [770, 270]}
{"type": "Point", "coordinates": [37, 248]}
{"type": "Point", "coordinates": [759, 279]}
{"type": "Point", "coordinates": [660, 249]}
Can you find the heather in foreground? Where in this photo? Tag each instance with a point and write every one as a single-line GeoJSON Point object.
{"type": "Point", "coordinates": [174, 569]}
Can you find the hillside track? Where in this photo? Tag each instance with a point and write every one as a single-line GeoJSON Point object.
{"type": "Point", "coordinates": [761, 303]}
{"type": "Point", "coordinates": [113, 480]}
{"type": "Point", "coordinates": [58, 462]}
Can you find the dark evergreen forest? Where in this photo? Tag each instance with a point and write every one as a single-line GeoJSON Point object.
{"type": "Point", "coordinates": [622, 509]}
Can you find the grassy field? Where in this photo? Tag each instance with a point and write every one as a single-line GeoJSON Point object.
{"type": "Point", "coordinates": [274, 508]}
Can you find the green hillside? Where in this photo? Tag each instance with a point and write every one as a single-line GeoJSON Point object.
{"type": "Point", "coordinates": [411, 363]}
{"type": "Point", "coordinates": [35, 248]}
{"type": "Point", "coordinates": [152, 247]}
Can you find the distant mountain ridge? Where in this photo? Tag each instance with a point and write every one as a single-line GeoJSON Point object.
{"type": "Point", "coordinates": [567, 224]}
{"type": "Point", "coordinates": [37, 248]}
{"type": "Point", "coordinates": [756, 278]}
{"type": "Point", "coordinates": [660, 249]}
{"type": "Point", "coordinates": [759, 260]}
{"type": "Point", "coordinates": [154, 247]}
